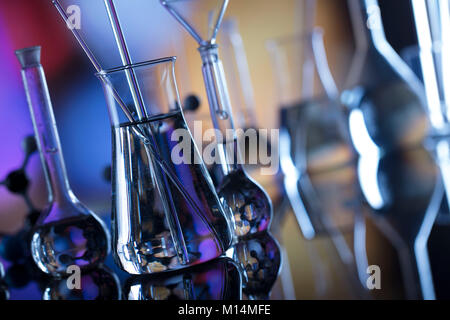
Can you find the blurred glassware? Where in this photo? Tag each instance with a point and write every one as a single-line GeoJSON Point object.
{"type": "Point", "coordinates": [313, 135]}
{"type": "Point", "coordinates": [260, 260]}
{"type": "Point", "coordinates": [432, 19]}
{"type": "Point", "coordinates": [241, 94]}
{"type": "Point", "coordinates": [66, 233]}
{"type": "Point", "coordinates": [217, 280]}
{"type": "Point", "coordinates": [405, 192]}
{"type": "Point", "coordinates": [4, 293]}
{"type": "Point", "coordinates": [430, 61]}
{"type": "Point", "coordinates": [384, 97]}
{"type": "Point", "coordinates": [89, 21]}
{"type": "Point", "coordinates": [438, 144]}
{"type": "Point", "coordinates": [157, 227]}
{"type": "Point", "coordinates": [235, 62]}
{"type": "Point", "coordinates": [247, 202]}
{"type": "Point", "coordinates": [97, 284]}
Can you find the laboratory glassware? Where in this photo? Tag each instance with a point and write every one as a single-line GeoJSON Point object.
{"type": "Point", "coordinates": [155, 227]}
{"type": "Point", "coordinates": [105, 17]}
{"type": "Point", "coordinates": [242, 97]}
{"type": "Point", "coordinates": [248, 204]}
{"type": "Point", "coordinates": [428, 62]}
{"type": "Point", "coordinates": [313, 134]}
{"type": "Point", "coordinates": [97, 284]}
{"type": "Point", "coordinates": [133, 116]}
{"type": "Point", "coordinates": [66, 233]}
{"type": "Point", "coordinates": [405, 191]}
{"type": "Point", "coordinates": [260, 259]}
{"type": "Point", "coordinates": [432, 19]}
{"type": "Point", "coordinates": [216, 280]}
{"type": "Point", "coordinates": [383, 95]}
{"type": "Point", "coordinates": [235, 62]}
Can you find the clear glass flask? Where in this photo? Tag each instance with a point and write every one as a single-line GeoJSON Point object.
{"type": "Point", "coordinates": [156, 225]}
{"type": "Point", "coordinates": [246, 201]}
{"type": "Point", "coordinates": [383, 95]}
{"type": "Point", "coordinates": [260, 260]}
{"type": "Point", "coordinates": [66, 233]}
{"type": "Point", "coordinates": [314, 137]}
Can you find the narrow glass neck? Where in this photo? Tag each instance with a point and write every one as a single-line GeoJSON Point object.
{"type": "Point", "coordinates": [47, 135]}
{"type": "Point", "coordinates": [367, 24]}
{"type": "Point", "coordinates": [230, 159]}
{"type": "Point", "coordinates": [216, 89]}
{"type": "Point", "coordinates": [220, 108]}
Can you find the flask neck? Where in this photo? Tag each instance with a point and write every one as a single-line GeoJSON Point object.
{"type": "Point", "coordinates": [47, 136]}
{"type": "Point", "coordinates": [220, 108]}
{"type": "Point", "coordinates": [367, 24]}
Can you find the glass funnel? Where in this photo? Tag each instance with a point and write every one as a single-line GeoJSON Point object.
{"type": "Point", "coordinates": [314, 137]}
{"type": "Point", "coordinates": [248, 203]}
{"type": "Point", "coordinates": [66, 233]}
{"type": "Point", "coordinates": [384, 97]}
{"type": "Point", "coordinates": [217, 280]}
{"type": "Point", "coordinates": [156, 225]}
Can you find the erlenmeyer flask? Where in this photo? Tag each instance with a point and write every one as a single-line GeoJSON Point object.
{"type": "Point", "coordinates": [313, 133]}
{"type": "Point", "coordinates": [155, 227]}
{"type": "Point", "coordinates": [66, 233]}
{"type": "Point", "coordinates": [246, 201]}
{"type": "Point", "coordinates": [383, 95]}
{"type": "Point", "coordinates": [217, 280]}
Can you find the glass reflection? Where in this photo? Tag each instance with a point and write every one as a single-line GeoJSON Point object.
{"type": "Point", "coordinates": [260, 260]}
{"type": "Point", "coordinates": [98, 284]}
{"type": "Point", "coordinates": [216, 280]}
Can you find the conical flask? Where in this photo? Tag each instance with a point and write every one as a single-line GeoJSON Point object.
{"type": "Point", "coordinates": [383, 95]}
{"type": "Point", "coordinates": [155, 227]}
{"type": "Point", "coordinates": [216, 280]}
{"type": "Point", "coordinates": [314, 137]}
{"type": "Point", "coordinates": [247, 203]}
{"type": "Point", "coordinates": [66, 233]}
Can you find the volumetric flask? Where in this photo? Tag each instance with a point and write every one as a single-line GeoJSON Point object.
{"type": "Point", "coordinates": [67, 233]}
{"type": "Point", "coordinates": [159, 222]}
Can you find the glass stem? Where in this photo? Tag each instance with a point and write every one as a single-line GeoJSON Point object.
{"type": "Point", "coordinates": [46, 133]}
{"type": "Point", "coordinates": [220, 108]}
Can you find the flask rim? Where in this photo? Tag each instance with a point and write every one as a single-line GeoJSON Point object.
{"type": "Point", "coordinates": [107, 72]}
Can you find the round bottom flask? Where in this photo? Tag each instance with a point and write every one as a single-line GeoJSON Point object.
{"type": "Point", "coordinates": [66, 233]}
